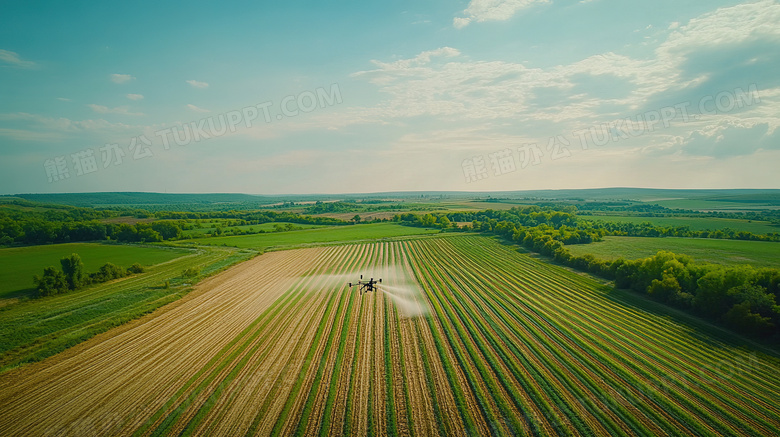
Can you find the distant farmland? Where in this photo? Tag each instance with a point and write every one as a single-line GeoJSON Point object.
{"type": "Point", "coordinates": [469, 337]}
{"type": "Point", "coordinates": [756, 253]}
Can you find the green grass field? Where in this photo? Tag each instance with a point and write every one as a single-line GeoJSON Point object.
{"type": "Point", "coordinates": [19, 264]}
{"type": "Point", "coordinates": [695, 223]}
{"type": "Point", "coordinates": [33, 329]}
{"type": "Point", "coordinates": [331, 234]}
{"type": "Point", "coordinates": [756, 253]}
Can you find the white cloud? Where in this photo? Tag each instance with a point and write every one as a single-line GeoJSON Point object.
{"type": "Point", "coordinates": [464, 89]}
{"type": "Point", "coordinates": [725, 26]}
{"type": "Point", "coordinates": [419, 60]}
{"type": "Point", "coordinates": [135, 96]}
{"type": "Point", "coordinates": [197, 109]}
{"type": "Point", "coordinates": [123, 110]}
{"type": "Point", "coordinates": [460, 22]}
{"type": "Point", "coordinates": [121, 78]}
{"type": "Point", "coordinates": [14, 59]}
{"type": "Point", "coordinates": [63, 99]}
{"type": "Point", "coordinates": [492, 10]}
{"type": "Point", "coordinates": [479, 89]}
{"type": "Point", "coordinates": [197, 84]}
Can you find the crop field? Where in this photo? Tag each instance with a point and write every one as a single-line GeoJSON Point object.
{"type": "Point", "coordinates": [19, 264]}
{"type": "Point", "coordinates": [694, 223]}
{"type": "Point", "coordinates": [467, 337]}
{"type": "Point", "coordinates": [330, 234]}
{"type": "Point", "coordinates": [756, 253]}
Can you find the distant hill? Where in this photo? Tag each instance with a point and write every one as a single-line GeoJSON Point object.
{"type": "Point", "coordinates": [141, 199]}
{"type": "Point", "coordinates": [245, 201]}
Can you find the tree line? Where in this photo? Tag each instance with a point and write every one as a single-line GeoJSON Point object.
{"type": "Point", "coordinates": [63, 226]}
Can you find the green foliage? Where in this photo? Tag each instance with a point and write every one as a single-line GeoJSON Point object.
{"type": "Point", "coordinates": [52, 282]}
{"type": "Point", "coordinates": [74, 277]}
{"type": "Point", "coordinates": [666, 289]}
{"type": "Point", "coordinates": [73, 268]}
{"type": "Point", "coordinates": [742, 319]}
{"type": "Point", "coordinates": [136, 268]}
{"type": "Point", "coordinates": [147, 234]}
{"type": "Point", "coordinates": [108, 272]}
{"type": "Point", "coordinates": [167, 230]}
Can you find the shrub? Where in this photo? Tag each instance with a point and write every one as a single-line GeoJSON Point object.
{"type": "Point", "coordinates": [108, 272]}
{"type": "Point", "coordinates": [136, 268]}
{"type": "Point", "coordinates": [52, 282]}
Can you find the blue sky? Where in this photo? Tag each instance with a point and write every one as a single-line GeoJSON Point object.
{"type": "Point", "coordinates": [306, 97]}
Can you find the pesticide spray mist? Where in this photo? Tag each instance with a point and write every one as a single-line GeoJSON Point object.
{"type": "Point", "coordinates": [408, 299]}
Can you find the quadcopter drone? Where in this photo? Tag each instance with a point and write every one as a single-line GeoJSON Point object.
{"type": "Point", "coordinates": [366, 286]}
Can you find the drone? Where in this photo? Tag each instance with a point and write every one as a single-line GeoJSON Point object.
{"type": "Point", "coordinates": [366, 286]}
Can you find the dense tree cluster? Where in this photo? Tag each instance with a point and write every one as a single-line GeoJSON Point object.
{"type": "Point", "coordinates": [37, 231]}
{"type": "Point", "coordinates": [740, 296]}
{"type": "Point", "coordinates": [73, 276]}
